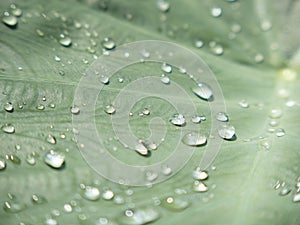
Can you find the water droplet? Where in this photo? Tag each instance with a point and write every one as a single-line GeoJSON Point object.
{"type": "Point", "coordinates": [108, 195]}
{"type": "Point", "coordinates": [259, 58]}
{"type": "Point", "coordinates": [199, 43]}
{"type": "Point", "coordinates": [51, 139]}
{"type": "Point", "coordinates": [75, 110]}
{"type": "Point", "coordinates": [175, 204]}
{"type": "Point", "coordinates": [8, 128]}
{"type": "Point", "coordinates": [30, 159]}
{"type": "Point", "coordinates": [51, 221]}
{"type": "Point", "coordinates": [165, 79]}
{"type": "Point", "coordinates": [196, 119]}
{"type": "Point", "coordinates": [221, 116]}
{"type": "Point", "coordinates": [14, 159]}
{"type": "Point", "coordinates": [57, 58]}
{"type": "Point", "coordinates": [65, 41]}
{"type": "Point", "coordinates": [244, 104]}
{"type": "Point", "coordinates": [296, 197]}
{"type": "Point", "coordinates": [194, 139]}
{"type": "Point", "coordinates": [40, 107]}
{"type": "Point", "coordinates": [138, 216]}
{"type": "Point", "coordinates": [110, 109]}
{"type": "Point", "coordinates": [54, 159]}
{"type": "Point", "coordinates": [166, 68]}
{"type": "Point", "coordinates": [40, 33]}
{"type": "Point", "coordinates": [2, 164]}
{"type": "Point", "coordinates": [216, 12]}
{"type": "Point", "coordinates": [203, 91]}
{"type": "Point", "coordinates": [68, 208]}
{"type": "Point", "coordinates": [266, 25]}
{"type": "Point", "coordinates": [275, 113]}
{"type": "Point", "coordinates": [163, 6]}
{"type": "Point", "coordinates": [226, 131]}
{"type": "Point", "coordinates": [13, 206]}
{"type": "Point", "coordinates": [104, 79]}
{"type": "Point", "coordinates": [146, 111]}
{"type": "Point", "coordinates": [285, 191]}
{"type": "Point", "coordinates": [9, 20]}
{"type": "Point", "coordinates": [264, 144]}
{"type": "Point", "coordinates": [178, 120]}
{"type": "Point", "coordinates": [16, 11]}
{"type": "Point", "coordinates": [91, 193]}
{"type": "Point", "coordinates": [216, 48]}
{"type": "Point", "coordinates": [151, 176]}
{"type": "Point", "coordinates": [280, 132]}
{"type": "Point", "coordinates": [141, 149]}
{"type": "Point", "coordinates": [38, 199]}
{"type": "Point", "coordinates": [108, 43]}
{"type": "Point", "coordinates": [8, 107]}
{"type": "Point", "coordinates": [199, 186]}
{"type": "Point", "coordinates": [166, 170]}
{"type": "Point", "coordinates": [199, 174]}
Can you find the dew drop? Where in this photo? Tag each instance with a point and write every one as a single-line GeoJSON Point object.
{"type": "Point", "coordinates": [259, 58]}
{"type": "Point", "coordinates": [91, 193]}
{"type": "Point", "coordinates": [196, 119]}
{"type": "Point", "coordinates": [165, 79]}
{"type": "Point", "coordinates": [226, 132]}
{"type": "Point", "coordinates": [8, 128]}
{"type": "Point", "coordinates": [194, 139]}
{"type": "Point", "coordinates": [65, 41]}
{"type": "Point", "coordinates": [68, 208]}
{"type": "Point", "coordinates": [166, 68]}
{"type": "Point", "coordinates": [203, 91]}
{"type": "Point", "coordinates": [2, 164]}
{"type": "Point", "coordinates": [296, 197]}
{"type": "Point", "coordinates": [244, 104]}
{"type": "Point", "coordinates": [16, 11]}
{"type": "Point", "coordinates": [110, 109]}
{"type": "Point", "coordinates": [175, 204]}
{"type": "Point", "coordinates": [13, 206]}
{"type": "Point", "coordinates": [38, 199]}
{"type": "Point", "coordinates": [51, 139]}
{"type": "Point", "coordinates": [139, 216]}
{"type": "Point", "coordinates": [166, 170]}
{"type": "Point", "coordinates": [8, 107]}
{"type": "Point", "coordinates": [275, 113]}
{"type": "Point", "coordinates": [216, 12]}
{"type": "Point", "coordinates": [151, 176]}
{"type": "Point", "coordinates": [163, 6]}
{"type": "Point", "coordinates": [146, 111]}
{"type": "Point", "coordinates": [178, 120]}
{"type": "Point", "coordinates": [221, 116]}
{"type": "Point", "coordinates": [9, 20]}
{"type": "Point", "coordinates": [39, 32]}
{"type": "Point", "coordinates": [108, 43]}
{"type": "Point", "coordinates": [216, 48]}
{"type": "Point", "coordinates": [199, 43]}
{"type": "Point", "coordinates": [141, 149]}
{"type": "Point", "coordinates": [57, 58]}
{"type": "Point", "coordinates": [108, 195]}
{"type": "Point", "coordinates": [199, 174]}
{"type": "Point", "coordinates": [75, 110]}
{"type": "Point", "coordinates": [30, 159]}
{"type": "Point", "coordinates": [104, 79]}
{"type": "Point", "coordinates": [51, 221]}
{"type": "Point", "coordinates": [199, 186]}
{"type": "Point", "coordinates": [266, 25]}
{"type": "Point", "coordinates": [54, 159]}
{"type": "Point", "coordinates": [285, 191]}
{"type": "Point", "coordinates": [280, 132]}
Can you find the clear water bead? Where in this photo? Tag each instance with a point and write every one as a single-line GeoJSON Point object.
{"type": "Point", "coordinates": [8, 128]}
{"type": "Point", "coordinates": [104, 79]}
{"type": "Point", "coordinates": [166, 68]}
{"type": "Point", "coordinates": [54, 159]}
{"type": "Point", "coordinates": [75, 110]}
{"type": "Point", "coordinates": [9, 20]}
{"type": "Point", "coordinates": [203, 91]}
{"type": "Point", "coordinates": [196, 119]}
{"type": "Point", "coordinates": [108, 195]}
{"type": "Point", "coordinates": [65, 41]}
{"type": "Point", "coordinates": [226, 131]}
{"type": "Point", "coordinates": [178, 120]}
{"type": "Point", "coordinates": [91, 193]}
{"type": "Point", "coordinates": [163, 5]}
{"type": "Point", "coordinates": [110, 109]}
{"type": "Point", "coordinates": [221, 116]}
{"type": "Point", "coordinates": [2, 164]}
{"type": "Point", "coordinates": [216, 12]}
{"type": "Point", "coordinates": [165, 79]}
{"type": "Point", "coordinates": [194, 139]}
{"type": "Point", "coordinates": [108, 43]}
{"type": "Point", "coordinates": [139, 216]}
{"type": "Point", "coordinates": [199, 174]}
{"type": "Point", "coordinates": [141, 149]}
{"type": "Point", "coordinates": [199, 187]}
{"type": "Point", "coordinates": [51, 139]}
{"type": "Point", "coordinates": [8, 107]}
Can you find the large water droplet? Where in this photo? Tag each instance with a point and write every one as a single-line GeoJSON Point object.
{"type": "Point", "coordinates": [194, 139]}
{"type": "Point", "coordinates": [8, 128]}
{"type": "Point", "coordinates": [9, 20]}
{"type": "Point", "coordinates": [203, 91]}
{"type": "Point", "coordinates": [166, 68]}
{"type": "Point", "coordinates": [108, 195]}
{"type": "Point", "coordinates": [199, 174]}
{"type": "Point", "coordinates": [178, 120]}
{"type": "Point", "coordinates": [8, 107]}
{"type": "Point", "coordinates": [108, 43]}
{"type": "Point", "coordinates": [141, 149]}
{"type": "Point", "coordinates": [54, 159]}
{"type": "Point", "coordinates": [68, 208]}
{"type": "Point", "coordinates": [91, 193]}
{"type": "Point", "coordinates": [221, 116]}
{"type": "Point", "coordinates": [65, 41]}
{"type": "Point", "coordinates": [139, 216]}
{"type": "Point", "coordinates": [226, 131]}
{"type": "Point", "coordinates": [199, 186]}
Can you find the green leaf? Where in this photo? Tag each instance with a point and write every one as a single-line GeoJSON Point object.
{"type": "Point", "coordinates": [253, 179]}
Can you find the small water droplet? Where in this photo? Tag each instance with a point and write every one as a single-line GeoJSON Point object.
{"type": "Point", "coordinates": [110, 109]}
{"type": "Point", "coordinates": [285, 191]}
{"type": "Point", "coordinates": [68, 208]}
{"type": "Point", "coordinates": [104, 79]}
{"type": "Point", "coordinates": [199, 186]}
{"type": "Point", "coordinates": [54, 159]}
{"type": "Point", "coordinates": [165, 79]}
{"type": "Point", "coordinates": [199, 174]}
{"type": "Point", "coordinates": [57, 58]}
{"type": "Point", "coordinates": [216, 48]}
{"type": "Point", "coordinates": [108, 195]}
{"type": "Point", "coordinates": [40, 107]}
{"type": "Point", "coordinates": [139, 216]}
{"type": "Point", "coordinates": [30, 159]}
{"type": "Point", "coordinates": [178, 120]}
{"type": "Point", "coordinates": [194, 139]}
{"type": "Point", "coordinates": [141, 149]}
{"type": "Point", "coordinates": [163, 6]}
{"type": "Point", "coordinates": [36, 199]}
{"type": "Point", "coordinates": [9, 20]}
{"type": "Point", "coordinates": [151, 176]}
{"type": "Point", "coordinates": [275, 113]}
{"type": "Point", "coordinates": [280, 132]}
{"type": "Point", "coordinates": [175, 204]}
{"type": "Point", "coordinates": [16, 11]}
{"type": "Point", "coordinates": [75, 110]}
{"type": "Point", "coordinates": [2, 164]}
{"type": "Point", "coordinates": [14, 159]}
{"type": "Point", "coordinates": [296, 197]}
{"type": "Point", "coordinates": [108, 43]}
{"type": "Point", "coordinates": [259, 58]}
{"type": "Point", "coordinates": [40, 33]}
{"type": "Point", "coordinates": [51, 139]}
{"type": "Point", "coordinates": [226, 131]}
{"type": "Point", "coordinates": [8, 128]}
{"type": "Point", "coordinates": [266, 25]}
{"type": "Point", "coordinates": [203, 91]}
{"type": "Point", "coordinates": [166, 68]}
{"type": "Point", "coordinates": [65, 40]}
{"type": "Point", "coordinates": [8, 107]}
{"type": "Point", "coordinates": [196, 119]}
{"type": "Point", "coordinates": [199, 43]}
{"type": "Point", "coordinates": [244, 104]}
{"type": "Point", "coordinates": [91, 193]}
{"type": "Point", "coordinates": [13, 206]}
{"type": "Point", "coordinates": [166, 170]}
{"type": "Point", "coordinates": [51, 221]}
{"type": "Point", "coordinates": [216, 12]}
{"type": "Point", "coordinates": [221, 116]}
